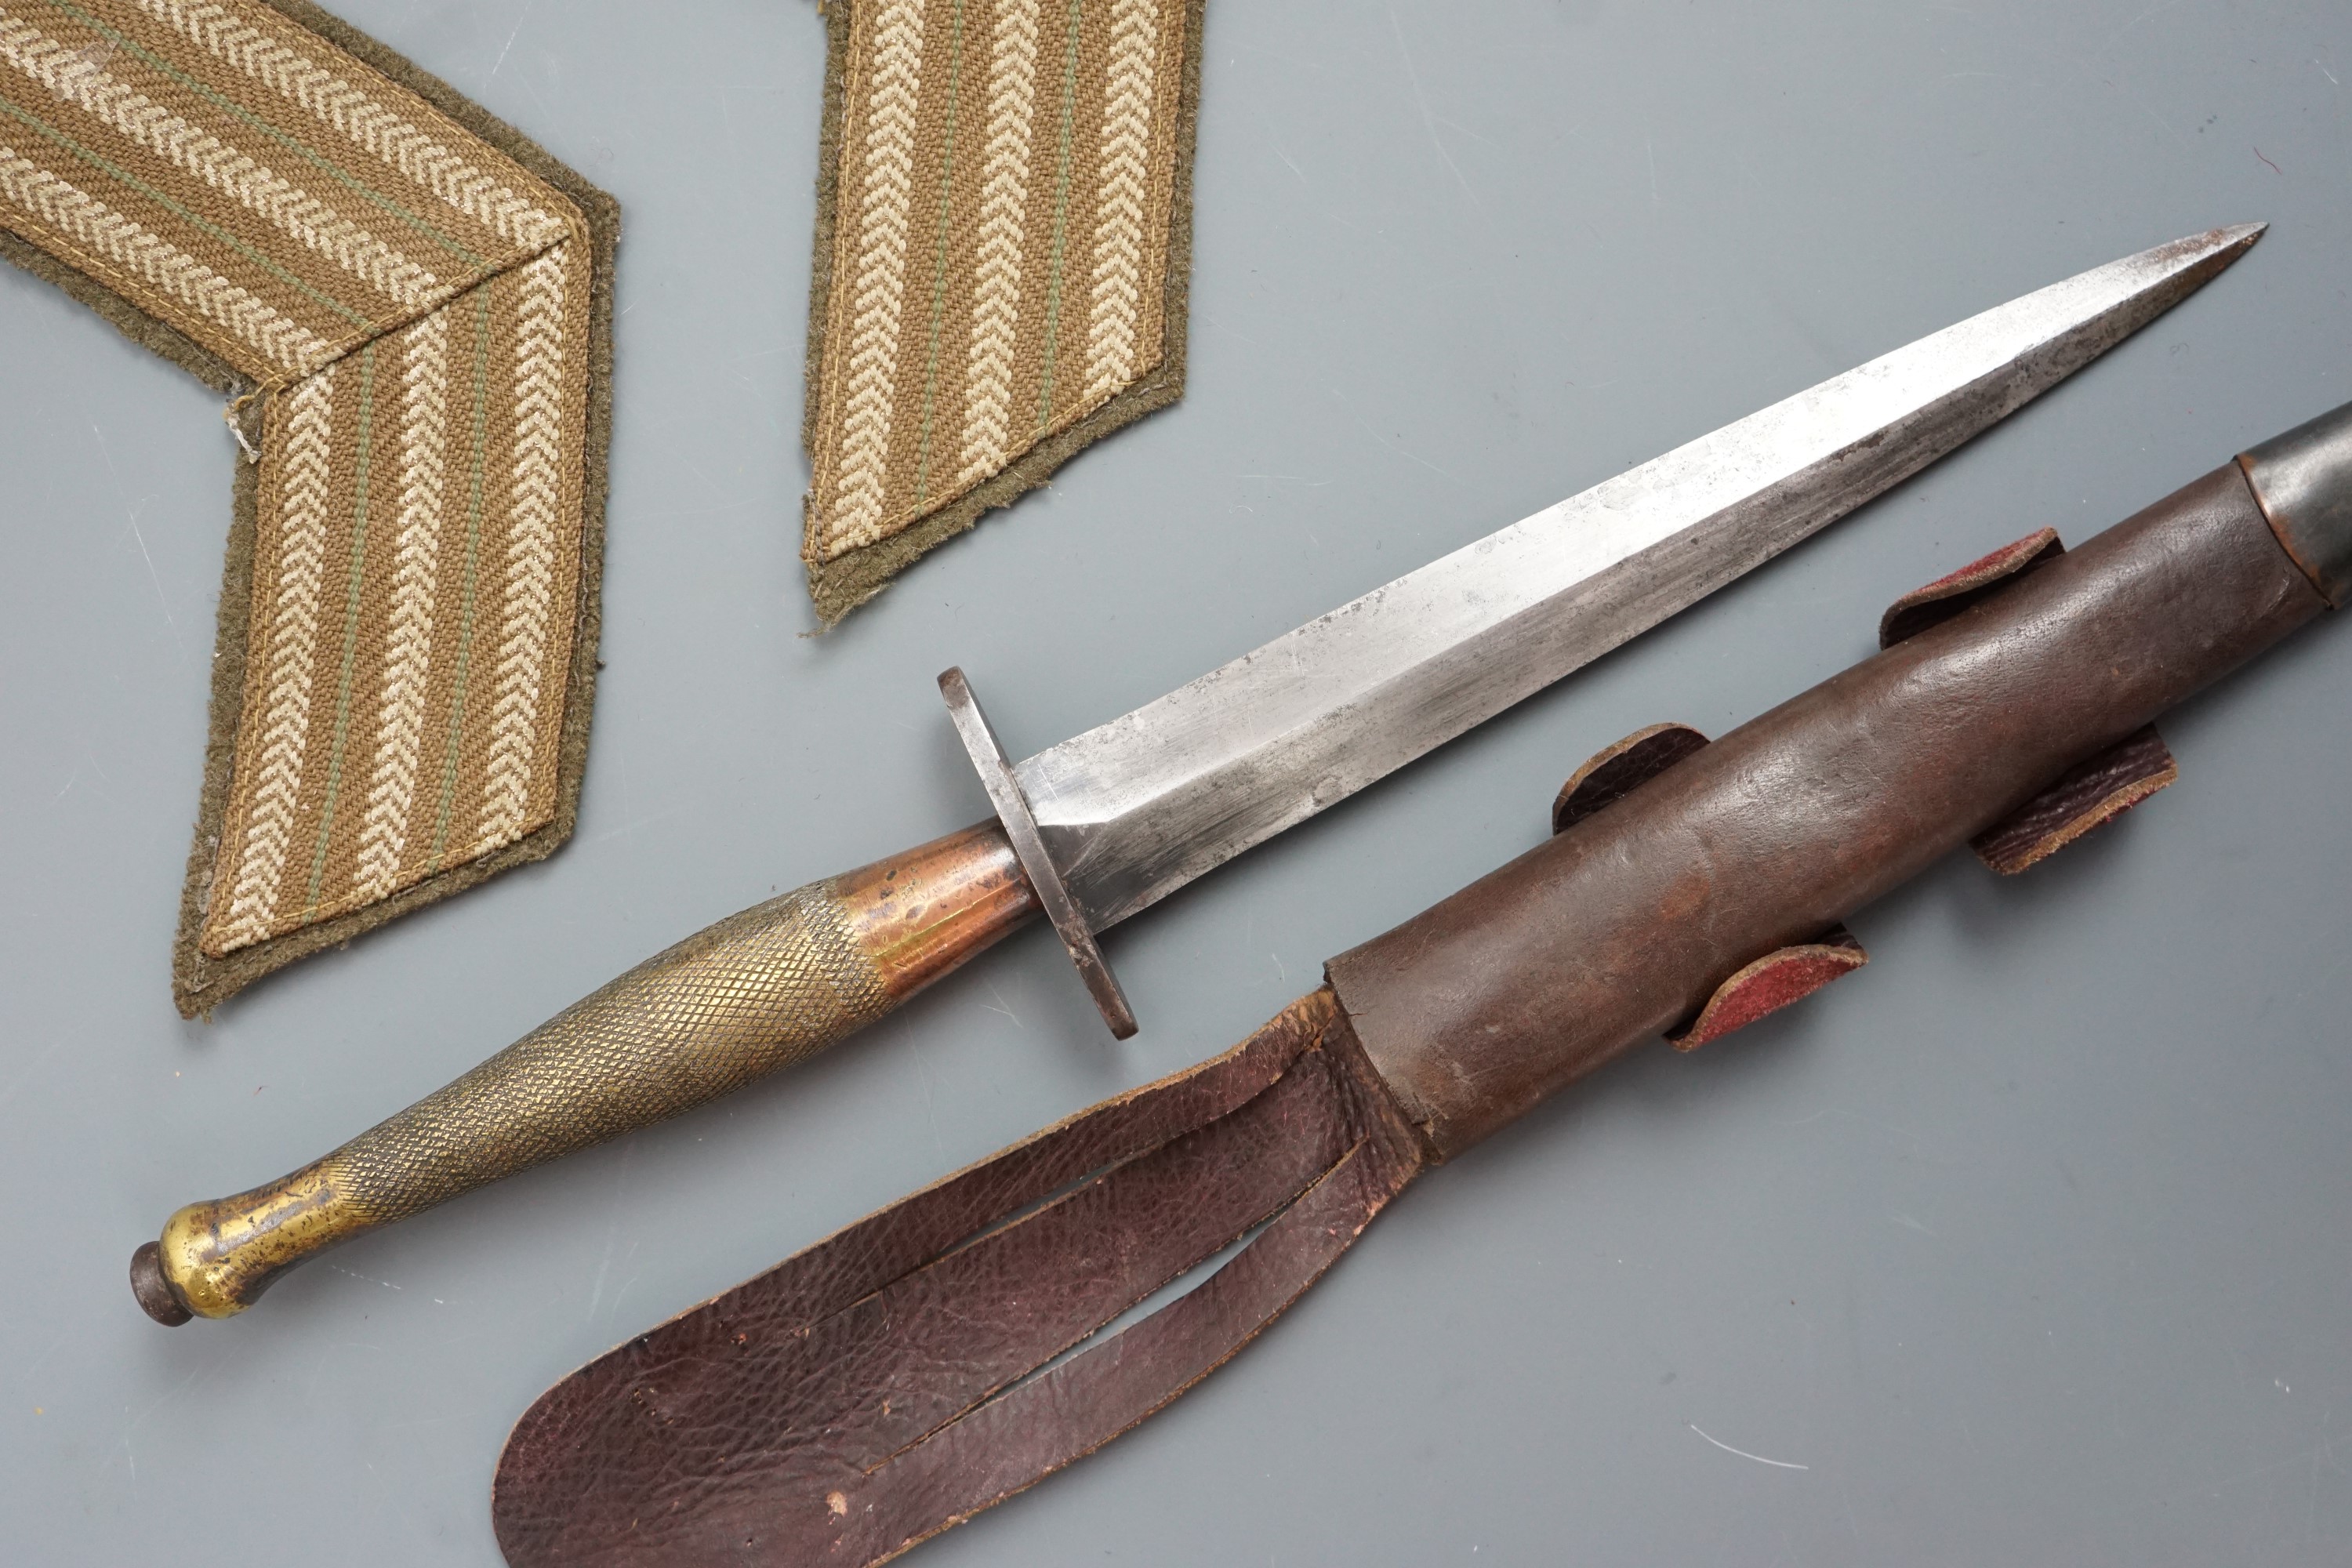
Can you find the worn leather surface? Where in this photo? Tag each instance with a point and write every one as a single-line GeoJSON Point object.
{"type": "Point", "coordinates": [1612, 931]}
{"type": "Point", "coordinates": [826, 1410]}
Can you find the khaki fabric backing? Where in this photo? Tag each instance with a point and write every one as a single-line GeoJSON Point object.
{"type": "Point", "coordinates": [412, 303]}
{"type": "Point", "coordinates": [1003, 234]}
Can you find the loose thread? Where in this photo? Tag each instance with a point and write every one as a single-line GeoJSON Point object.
{"type": "Point", "coordinates": [232, 416]}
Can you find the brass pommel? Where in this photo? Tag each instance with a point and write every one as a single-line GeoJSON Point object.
{"type": "Point", "coordinates": [215, 1260]}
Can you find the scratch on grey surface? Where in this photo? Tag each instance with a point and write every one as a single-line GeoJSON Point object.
{"type": "Point", "coordinates": [1457, 126]}
{"type": "Point", "coordinates": [1287, 161]}
{"type": "Point", "coordinates": [155, 577]}
{"type": "Point", "coordinates": [130, 1454]}
{"type": "Point", "coordinates": [1428, 120]}
{"type": "Point", "coordinates": [353, 1273]}
{"type": "Point", "coordinates": [2326, 72]}
{"type": "Point", "coordinates": [1003, 1005]}
{"type": "Point", "coordinates": [1208, 320]}
{"type": "Point", "coordinates": [2153, 10]}
{"type": "Point", "coordinates": [930, 1108]}
{"type": "Point", "coordinates": [1776, 1464]}
{"type": "Point", "coordinates": [628, 1284]}
{"type": "Point", "coordinates": [540, 103]}
{"type": "Point", "coordinates": [1294, 479]}
{"type": "Point", "coordinates": [634, 822]}
{"type": "Point", "coordinates": [35, 1365]}
{"type": "Point", "coordinates": [1401, 452]}
{"type": "Point", "coordinates": [1906, 1221]}
{"type": "Point", "coordinates": [613, 1229]}
{"type": "Point", "coordinates": [2166, 125]}
{"type": "Point", "coordinates": [520, 17]}
{"type": "Point", "coordinates": [131, 510]}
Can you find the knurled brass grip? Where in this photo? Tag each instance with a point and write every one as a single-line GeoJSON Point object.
{"type": "Point", "coordinates": [759, 990]}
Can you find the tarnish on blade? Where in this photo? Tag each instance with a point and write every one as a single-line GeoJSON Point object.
{"type": "Point", "coordinates": [1134, 809]}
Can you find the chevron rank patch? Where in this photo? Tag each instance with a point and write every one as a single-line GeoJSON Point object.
{"type": "Point", "coordinates": [409, 303]}
{"type": "Point", "coordinates": [1003, 235]}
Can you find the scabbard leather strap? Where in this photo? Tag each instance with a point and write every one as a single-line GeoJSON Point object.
{"type": "Point", "coordinates": [886, 1383]}
{"type": "Point", "coordinates": [1625, 924]}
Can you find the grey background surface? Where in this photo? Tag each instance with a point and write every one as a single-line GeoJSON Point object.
{"type": "Point", "coordinates": [2028, 1243]}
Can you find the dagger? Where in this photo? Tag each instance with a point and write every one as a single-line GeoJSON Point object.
{"type": "Point", "coordinates": [930, 1360]}
{"type": "Point", "coordinates": [1108, 822]}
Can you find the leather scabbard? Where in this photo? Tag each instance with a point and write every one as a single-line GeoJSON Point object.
{"type": "Point", "coordinates": [912, 1370]}
{"type": "Point", "coordinates": [1616, 930]}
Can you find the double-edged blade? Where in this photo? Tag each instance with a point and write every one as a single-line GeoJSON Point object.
{"type": "Point", "coordinates": [1132, 810]}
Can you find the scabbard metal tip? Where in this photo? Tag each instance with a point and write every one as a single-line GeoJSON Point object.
{"type": "Point", "coordinates": [157, 1296]}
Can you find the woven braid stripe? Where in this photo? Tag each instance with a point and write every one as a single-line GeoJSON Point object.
{"type": "Point", "coordinates": [1006, 186]}
{"type": "Point", "coordinates": [409, 312]}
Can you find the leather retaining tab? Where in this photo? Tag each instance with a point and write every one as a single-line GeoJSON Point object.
{"type": "Point", "coordinates": [2303, 480]}
{"type": "Point", "coordinates": [1774, 981]}
{"type": "Point", "coordinates": [1947, 596]}
{"type": "Point", "coordinates": [1616, 772]}
{"type": "Point", "coordinates": [2089, 795]}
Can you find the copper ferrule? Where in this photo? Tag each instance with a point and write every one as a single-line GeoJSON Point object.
{"type": "Point", "coordinates": [920, 914]}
